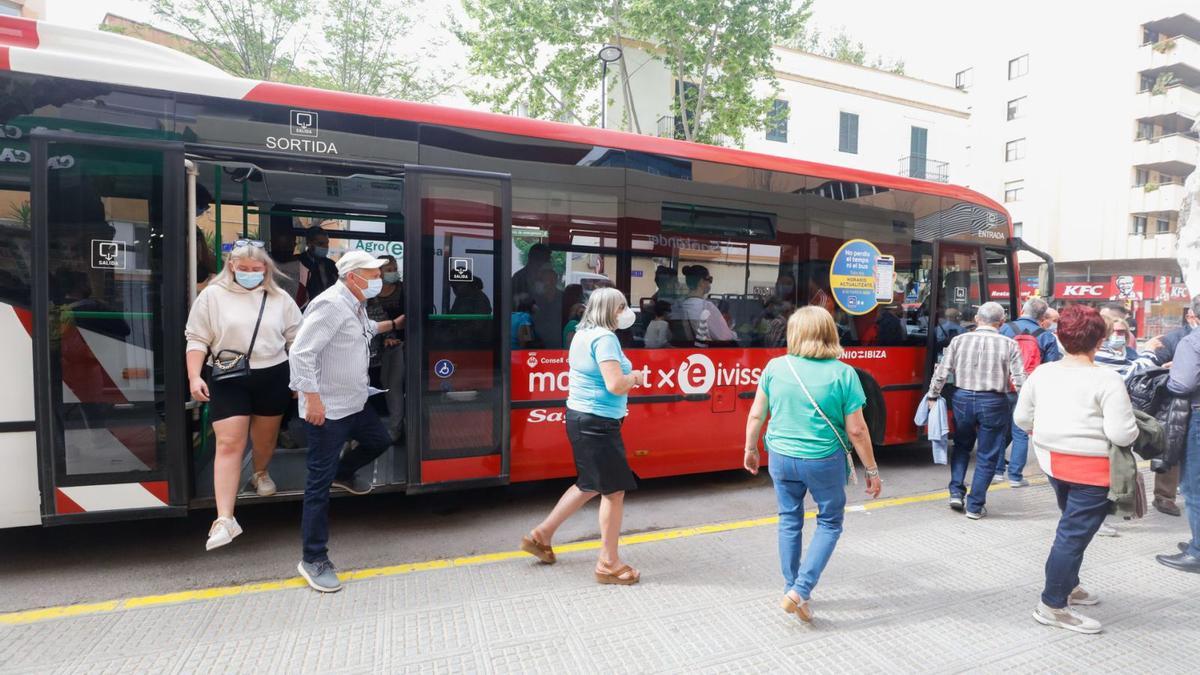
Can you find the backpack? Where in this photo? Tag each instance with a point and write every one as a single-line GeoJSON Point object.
{"type": "Point", "coordinates": [1031, 351]}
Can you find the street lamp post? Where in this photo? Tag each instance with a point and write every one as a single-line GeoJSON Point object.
{"type": "Point", "coordinates": [608, 54]}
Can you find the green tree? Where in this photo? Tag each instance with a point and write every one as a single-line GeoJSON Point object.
{"type": "Point", "coordinates": [541, 55]}
{"type": "Point", "coordinates": [842, 47]}
{"type": "Point", "coordinates": [247, 38]}
{"type": "Point", "coordinates": [361, 52]}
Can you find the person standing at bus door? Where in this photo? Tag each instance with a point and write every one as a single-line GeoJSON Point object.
{"type": "Point", "coordinates": [525, 278]}
{"type": "Point", "coordinates": [984, 363]}
{"type": "Point", "coordinates": [702, 320]}
{"type": "Point", "coordinates": [283, 252]}
{"type": "Point", "coordinates": [226, 317]}
{"type": "Point", "coordinates": [812, 405]}
{"type": "Point", "coordinates": [319, 272]}
{"type": "Point", "coordinates": [1073, 412]}
{"type": "Point", "coordinates": [387, 349]}
{"type": "Point", "coordinates": [1038, 346]}
{"type": "Point", "coordinates": [329, 362]}
{"type": "Point", "coordinates": [600, 379]}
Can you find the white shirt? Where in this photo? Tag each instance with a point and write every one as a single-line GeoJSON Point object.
{"type": "Point", "coordinates": [332, 352]}
{"type": "Point", "coordinates": [223, 317]}
{"type": "Point", "coordinates": [658, 334]}
{"type": "Point", "coordinates": [706, 321]}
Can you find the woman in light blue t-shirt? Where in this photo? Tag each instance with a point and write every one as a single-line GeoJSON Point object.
{"type": "Point", "coordinates": [600, 380]}
{"type": "Point", "coordinates": [808, 445]}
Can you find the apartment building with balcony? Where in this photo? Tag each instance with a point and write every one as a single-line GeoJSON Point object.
{"type": "Point", "coordinates": [1086, 137]}
{"type": "Point", "coordinates": [826, 111]}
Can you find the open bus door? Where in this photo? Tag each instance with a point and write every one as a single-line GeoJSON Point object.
{"type": "Point", "coordinates": [458, 308]}
{"type": "Point", "coordinates": [108, 225]}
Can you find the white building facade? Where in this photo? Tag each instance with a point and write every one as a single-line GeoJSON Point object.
{"type": "Point", "coordinates": [1087, 142]}
{"type": "Point", "coordinates": [830, 112]}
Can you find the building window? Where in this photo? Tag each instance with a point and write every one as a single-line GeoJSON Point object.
{"type": "Point", "coordinates": [1141, 177]}
{"type": "Point", "coordinates": [1145, 130]}
{"type": "Point", "coordinates": [777, 121]}
{"type": "Point", "coordinates": [1148, 36]}
{"type": "Point", "coordinates": [1016, 108]}
{"type": "Point", "coordinates": [1162, 225]}
{"type": "Point", "coordinates": [918, 145]}
{"type": "Point", "coordinates": [1014, 150]}
{"type": "Point", "coordinates": [1139, 225]}
{"type": "Point", "coordinates": [1018, 230]}
{"type": "Point", "coordinates": [1018, 67]}
{"type": "Point", "coordinates": [1147, 83]}
{"type": "Point", "coordinates": [848, 133]}
{"type": "Point", "coordinates": [9, 9]}
{"type": "Point", "coordinates": [964, 78]}
{"type": "Point", "coordinates": [1013, 191]}
{"type": "Point", "coordinates": [690, 92]}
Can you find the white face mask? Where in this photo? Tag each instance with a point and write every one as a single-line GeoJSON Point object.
{"type": "Point", "coordinates": [625, 319]}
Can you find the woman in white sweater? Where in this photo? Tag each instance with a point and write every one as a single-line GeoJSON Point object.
{"type": "Point", "coordinates": [1073, 410]}
{"type": "Point", "coordinates": [224, 317]}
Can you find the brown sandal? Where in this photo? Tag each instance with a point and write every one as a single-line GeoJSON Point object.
{"type": "Point", "coordinates": [801, 610]}
{"type": "Point", "coordinates": [542, 552]}
{"type": "Point", "coordinates": [616, 579]}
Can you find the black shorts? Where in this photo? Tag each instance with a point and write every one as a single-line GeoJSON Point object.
{"type": "Point", "coordinates": [599, 453]}
{"type": "Point", "coordinates": [264, 393]}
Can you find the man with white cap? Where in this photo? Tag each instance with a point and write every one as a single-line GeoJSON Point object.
{"type": "Point", "coordinates": [329, 361]}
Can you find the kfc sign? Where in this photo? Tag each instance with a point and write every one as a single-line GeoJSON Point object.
{"type": "Point", "coordinates": [1083, 291]}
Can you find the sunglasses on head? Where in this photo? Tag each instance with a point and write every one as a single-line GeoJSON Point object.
{"type": "Point", "coordinates": [248, 242]}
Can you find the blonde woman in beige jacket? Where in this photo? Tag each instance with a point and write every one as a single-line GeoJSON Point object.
{"type": "Point", "coordinates": [223, 318]}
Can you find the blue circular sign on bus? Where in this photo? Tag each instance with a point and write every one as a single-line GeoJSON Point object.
{"type": "Point", "coordinates": [852, 277]}
{"type": "Point", "coordinates": [443, 368]}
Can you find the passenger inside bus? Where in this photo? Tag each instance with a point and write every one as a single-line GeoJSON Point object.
{"type": "Point", "coordinates": [524, 279]}
{"type": "Point", "coordinates": [574, 316]}
{"type": "Point", "coordinates": [522, 322]}
{"type": "Point", "coordinates": [387, 349]}
{"type": "Point", "coordinates": [548, 309]}
{"type": "Point", "coordinates": [283, 252]}
{"type": "Point", "coordinates": [319, 272]}
{"type": "Point", "coordinates": [696, 320]}
{"type": "Point", "coordinates": [658, 331]}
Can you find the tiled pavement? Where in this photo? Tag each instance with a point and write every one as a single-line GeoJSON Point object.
{"type": "Point", "coordinates": [911, 588]}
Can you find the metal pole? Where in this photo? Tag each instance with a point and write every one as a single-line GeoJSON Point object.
{"type": "Point", "coordinates": [603, 94]}
{"type": "Point", "coordinates": [217, 208]}
{"type": "Point", "coordinates": [190, 167]}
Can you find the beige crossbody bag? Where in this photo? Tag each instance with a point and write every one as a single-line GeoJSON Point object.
{"type": "Point", "coordinates": [853, 475]}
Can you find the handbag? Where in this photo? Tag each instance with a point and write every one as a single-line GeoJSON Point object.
{"type": "Point", "coordinates": [229, 364]}
{"type": "Point", "coordinates": [853, 475]}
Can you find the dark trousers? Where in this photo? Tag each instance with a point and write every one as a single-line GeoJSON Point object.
{"type": "Point", "coordinates": [982, 416]}
{"type": "Point", "coordinates": [325, 443]}
{"type": "Point", "coordinates": [1083, 510]}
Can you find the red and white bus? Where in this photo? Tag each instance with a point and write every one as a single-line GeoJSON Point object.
{"type": "Point", "coordinates": [111, 148]}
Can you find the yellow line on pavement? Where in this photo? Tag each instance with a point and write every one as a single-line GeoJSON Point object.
{"type": "Point", "coordinates": [67, 611]}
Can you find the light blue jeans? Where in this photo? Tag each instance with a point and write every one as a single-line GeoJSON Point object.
{"type": "Point", "coordinates": [826, 480]}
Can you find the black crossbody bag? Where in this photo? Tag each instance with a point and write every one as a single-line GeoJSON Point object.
{"type": "Point", "coordinates": [229, 364]}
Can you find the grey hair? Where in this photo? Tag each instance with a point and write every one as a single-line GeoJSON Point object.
{"type": "Point", "coordinates": [1196, 305]}
{"type": "Point", "coordinates": [602, 308]}
{"type": "Point", "coordinates": [1035, 308]}
{"type": "Point", "coordinates": [228, 279]}
{"type": "Point", "coordinates": [991, 313]}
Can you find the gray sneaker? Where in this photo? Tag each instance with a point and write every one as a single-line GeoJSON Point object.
{"type": "Point", "coordinates": [1065, 618]}
{"type": "Point", "coordinates": [1019, 483]}
{"type": "Point", "coordinates": [1081, 597]}
{"type": "Point", "coordinates": [976, 515]}
{"type": "Point", "coordinates": [322, 576]}
{"type": "Point", "coordinates": [359, 484]}
{"type": "Point", "coordinates": [956, 503]}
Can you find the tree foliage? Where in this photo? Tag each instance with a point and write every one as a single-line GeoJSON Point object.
{"type": "Point", "coordinates": [247, 38]}
{"type": "Point", "coordinates": [842, 47]}
{"type": "Point", "coordinates": [541, 56]}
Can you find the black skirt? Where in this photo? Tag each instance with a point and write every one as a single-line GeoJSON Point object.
{"type": "Point", "coordinates": [599, 453]}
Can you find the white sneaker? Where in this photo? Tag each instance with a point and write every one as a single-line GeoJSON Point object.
{"type": "Point", "coordinates": [1081, 597]}
{"type": "Point", "coordinates": [222, 532]}
{"type": "Point", "coordinates": [1065, 618]}
{"type": "Point", "coordinates": [262, 483]}
{"type": "Point", "coordinates": [997, 479]}
{"type": "Point", "coordinates": [1106, 530]}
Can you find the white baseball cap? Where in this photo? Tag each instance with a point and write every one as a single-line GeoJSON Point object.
{"type": "Point", "coordinates": [358, 260]}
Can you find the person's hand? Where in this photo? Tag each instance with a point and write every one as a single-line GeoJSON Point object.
{"type": "Point", "coordinates": [639, 378]}
{"type": "Point", "coordinates": [1154, 344]}
{"type": "Point", "coordinates": [874, 486]}
{"type": "Point", "coordinates": [750, 461]}
{"type": "Point", "coordinates": [314, 409]}
{"type": "Point", "coordinates": [398, 322]}
{"type": "Point", "coordinates": [199, 389]}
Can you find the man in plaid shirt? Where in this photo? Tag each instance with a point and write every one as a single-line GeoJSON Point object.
{"type": "Point", "coordinates": [984, 364]}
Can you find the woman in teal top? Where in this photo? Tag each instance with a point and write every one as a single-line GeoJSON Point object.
{"type": "Point", "coordinates": [808, 440]}
{"type": "Point", "coordinates": [598, 392]}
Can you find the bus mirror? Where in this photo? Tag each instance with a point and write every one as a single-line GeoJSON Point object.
{"type": "Point", "coordinates": [1044, 282]}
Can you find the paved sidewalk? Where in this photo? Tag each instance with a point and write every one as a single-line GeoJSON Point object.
{"type": "Point", "coordinates": [912, 587]}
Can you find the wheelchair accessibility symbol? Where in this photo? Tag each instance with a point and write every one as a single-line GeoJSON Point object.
{"type": "Point", "coordinates": [443, 368]}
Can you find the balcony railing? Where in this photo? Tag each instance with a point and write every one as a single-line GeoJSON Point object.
{"type": "Point", "coordinates": [920, 166]}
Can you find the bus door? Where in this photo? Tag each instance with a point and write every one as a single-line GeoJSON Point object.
{"type": "Point", "coordinates": [458, 308]}
{"type": "Point", "coordinates": [108, 223]}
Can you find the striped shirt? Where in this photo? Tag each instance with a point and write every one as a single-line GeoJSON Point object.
{"type": "Point", "coordinates": [982, 360]}
{"type": "Point", "coordinates": [332, 352]}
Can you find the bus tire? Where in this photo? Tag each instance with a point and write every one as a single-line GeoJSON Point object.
{"type": "Point", "coordinates": [875, 411]}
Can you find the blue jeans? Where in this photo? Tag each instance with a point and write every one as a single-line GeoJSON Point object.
{"type": "Point", "coordinates": [1083, 510]}
{"type": "Point", "coordinates": [1019, 454]}
{"type": "Point", "coordinates": [325, 443]}
{"type": "Point", "coordinates": [982, 416]}
{"type": "Point", "coordinates": [793, 478]}
{"type": "Point", "coordinates": [1189, 480]}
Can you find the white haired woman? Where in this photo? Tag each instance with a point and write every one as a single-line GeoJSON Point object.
{"type": "Point", "coordinates": [814, 403]}
{"type": "Point", "coordinates": [600, 380]}
{"type": "Point", "coordinates": [242, 312]}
